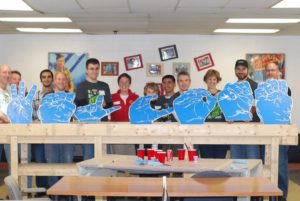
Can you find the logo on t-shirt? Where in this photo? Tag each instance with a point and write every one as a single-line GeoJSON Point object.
{"type": "Point", "coordinates": [4, 100]}
{"type": "Point", "coordinates": [92, 95]}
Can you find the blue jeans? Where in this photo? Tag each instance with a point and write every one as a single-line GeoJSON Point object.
{"type": "Point", "coordinates": [1, 150]}
{"type": "Point", "coordinates": [7, 155]}
{"type": "Point", "coordinates": [38, 151]}
{"type": "Point", "coordinates": [213, 151]}
{"type": "Point", "coordinates": [88, 151]}
{"type": "Point", "coordinates": [283, 172]}
{"type": "Point", "coordinates": [245, 151]}
{"type": "Point", "coordinates": [58, 153]}
{"type": "Point", "coordinates": [7, 152]}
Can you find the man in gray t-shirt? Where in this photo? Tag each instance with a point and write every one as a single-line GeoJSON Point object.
{"type": "Point", "coordinates": [87, 93]}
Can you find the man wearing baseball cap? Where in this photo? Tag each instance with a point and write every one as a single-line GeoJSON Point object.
{"type": "Point", "coordinates": [245, 151]}
{"type": "Point", "coordinates": [242, 73]}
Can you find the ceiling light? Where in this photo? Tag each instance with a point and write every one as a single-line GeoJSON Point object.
{"type": "Point", "coordinates": [246, 31]}
{"type": "Point", "coordinates": [288, 4]}
{"type": "Point", "coordinates": [35, 19]}
{"type": "Point", "coordinates": [261, 20]}
{"type": "Point", "coordinates": [49, 30]}
{"type": "Point", "coordinates": [14, 5]}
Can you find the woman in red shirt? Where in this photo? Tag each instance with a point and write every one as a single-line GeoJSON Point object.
{"type": "Point", "coordinates": [124, 98]}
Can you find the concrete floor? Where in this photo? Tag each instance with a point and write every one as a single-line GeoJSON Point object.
{"type": "Point", "coordinates": [294, 185]}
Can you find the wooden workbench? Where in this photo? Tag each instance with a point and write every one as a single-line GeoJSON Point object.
{"type": "Point", "coordinates": [159, 133]}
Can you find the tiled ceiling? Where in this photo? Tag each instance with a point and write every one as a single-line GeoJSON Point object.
{"type": "Point", "coordinates": [152, 16]}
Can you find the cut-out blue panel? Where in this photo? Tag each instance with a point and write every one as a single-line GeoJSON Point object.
{"type": "Point", "coordinates": [193, 106]}
{"type": "Point", "coordinates": [19, 110]}
{"type": "Point", "coordinates": [140, 112]}
{"type": "Point", "coordinates": [57, 108]}
{"type": "Point", "coordinates": [236, 101]}
{"type": "Point", "coordinates": [273, 105]}
{"type": "Point", "coordinates": [94, 112]}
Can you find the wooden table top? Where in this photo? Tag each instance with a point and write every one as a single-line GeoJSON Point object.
{"type": "Point", "coordinates": [127, 163]}
{"type": "Point", "coordinates": [152, 187]}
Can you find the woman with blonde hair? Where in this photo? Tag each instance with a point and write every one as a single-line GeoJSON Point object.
{"type": "Point", "coordinates": [58, 153]}
{"type": "Point", "coordinates": [60, 67]}
{"type": "Point", "coordinates": [151, 88]}
{"type": "Point", "coordinates": [212, 78]}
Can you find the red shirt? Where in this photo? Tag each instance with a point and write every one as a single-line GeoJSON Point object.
{"type": "Point", "coordinates": [122, 114]}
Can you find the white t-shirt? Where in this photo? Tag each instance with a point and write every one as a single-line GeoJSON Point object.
{"type": "Point", "coordinates": [4, 100]}
{"type": "Point", "coordinates": [124, 98]}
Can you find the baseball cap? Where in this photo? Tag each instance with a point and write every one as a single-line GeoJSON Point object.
{"type": "Point", "coordinates": [241, 62]}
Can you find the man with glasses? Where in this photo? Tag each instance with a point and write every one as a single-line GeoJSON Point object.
{"type": "Point", "coordinates": [272, 72]}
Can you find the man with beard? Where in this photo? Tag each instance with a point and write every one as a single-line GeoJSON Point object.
{"type": "Point", "coordinates": [38, 150]}
{"type": "Point", "coordinates": [245, 151]}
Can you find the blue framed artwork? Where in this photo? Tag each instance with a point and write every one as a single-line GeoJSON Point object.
{"type": "Point", "coordinates": [74, 62]}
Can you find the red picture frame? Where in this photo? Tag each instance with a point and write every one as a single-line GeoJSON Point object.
{"type": "Point", "coordinates": [161, 89]}
{"type": "Point", "coordinates": [133, 62]}
{"type": "Point", "coordinates": [109, 68]}
{"type": "Point", "coordinates": [204, 61]}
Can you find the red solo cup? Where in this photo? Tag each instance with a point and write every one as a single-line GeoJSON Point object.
{"type": "Point", "coordinates": [150, 153]}
{"type": "Point", "coordinates": [141, 153]}
{"type": "Point", "coordinates": [180, 154]}
{"type": "Point", "coordinates": [156, 153]}
{"type": "Point", "coordinates": [162, 156]}
{"type": "Point", "coordinates": [191, 153]}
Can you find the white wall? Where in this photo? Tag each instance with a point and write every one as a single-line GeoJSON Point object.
{"type": "Point", "coordinates": [29, 54]}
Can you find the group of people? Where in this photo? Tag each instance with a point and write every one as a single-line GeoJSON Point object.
{"type": "Point", "coordinates": [88, 90]}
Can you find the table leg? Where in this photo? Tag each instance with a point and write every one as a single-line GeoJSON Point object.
{"type": "Point", "coordinates": [273, 198]}
{"type": "Point", "coordinates": [257, 198]}
{"type": "Point", "coordinates": [24, 159]}
{"type": "Point", "coordinates": [14, 157]}
{"type": "Point", "coordinates": [274, 160]}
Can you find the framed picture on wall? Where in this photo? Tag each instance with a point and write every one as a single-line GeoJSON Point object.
{"type": "Point", "coordinates": [133, 62]}
{"type": "Point", "coordinates": [168, 52]}
{"type": "Point", "coordinates": [204, 61]}
{"type": "Point", "coordinates": [109, 68]}
{"type": "Point", "coordinates": [181, 66]}
{"type": "Point", "coordinates": [74, 62]}
{"type": "Point", "coordinates": [258, 62]}
{"type": "Point", "coordinates": [161, 89]}
{"type": "Point", "coordinates": [154, 69]}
